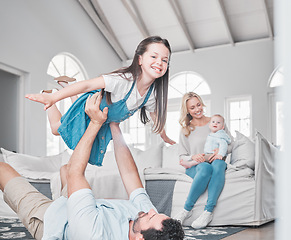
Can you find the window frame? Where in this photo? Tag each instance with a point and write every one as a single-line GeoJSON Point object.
{"type": "Point", "coordinates": [228, 101]}
{"type": "Point", "coordinates": [186, 73]}
{"type": "Point", "coordinates": [61, 104]}
{"type": "Point", "coordinates": [273, 98]}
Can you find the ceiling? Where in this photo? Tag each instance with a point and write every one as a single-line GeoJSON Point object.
{"type": "Point", "coordinates": [189, 25]}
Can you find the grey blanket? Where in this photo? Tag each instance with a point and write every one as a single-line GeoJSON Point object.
{"type": "Point", "coordinates": [161, 194]}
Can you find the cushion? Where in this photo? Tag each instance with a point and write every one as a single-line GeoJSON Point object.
{"type": "Point", "coordinates": [171, 158]}
{"type": "Point", "coordinates": [35, 167]}
{"type": "Point", "coordinates": [109, 163]}
{"type": "Point", "coordinates": [150, 158]}
{"type": "Point", "coordinates": [267, 151]}
{"type": "Point", "coordinates": [243, 152]}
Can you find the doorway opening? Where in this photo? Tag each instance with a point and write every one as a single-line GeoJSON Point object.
{"type": "Point", "coordinates": [12, 108]}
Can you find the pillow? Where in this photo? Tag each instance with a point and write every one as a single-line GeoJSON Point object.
{"type": "Point", "coordinates": [143, 159]}
{"type": "Point", "coordinates": [34, 167]}
{"type": "Point", "coordinates": [1, 157]}
{"type": "Point", "coordinates": [171, 158]}
{"type": "Point", "coordinates": [109, 162]}
{"type": "Point", "coordinates": [65, 157]}
{"type": "Point", "coordinates": [243, 152]}
{"type": "Point", "coordinates": [150, 158]}
{"type": "Point", "coordinates": [266, 153]}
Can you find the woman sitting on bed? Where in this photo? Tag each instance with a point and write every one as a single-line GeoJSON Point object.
{"type": "Point", "coordinates": [211, 173]}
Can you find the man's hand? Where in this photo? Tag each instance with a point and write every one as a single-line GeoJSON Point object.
{"type": "Point", "coordinates": [92, 109]}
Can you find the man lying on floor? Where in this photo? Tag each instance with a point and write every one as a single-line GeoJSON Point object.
{"type": "Point", "coordinates": [81, 216]}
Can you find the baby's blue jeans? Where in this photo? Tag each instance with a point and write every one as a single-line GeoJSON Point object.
{"type": "Point", "coordinates": [206, 174]}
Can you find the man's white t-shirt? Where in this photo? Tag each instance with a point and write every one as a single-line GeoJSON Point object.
{"type": "Point", "coordinates": [84, 217]}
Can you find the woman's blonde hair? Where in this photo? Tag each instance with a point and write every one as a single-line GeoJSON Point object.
{"type": "Point", "coordinates": [185, 117]}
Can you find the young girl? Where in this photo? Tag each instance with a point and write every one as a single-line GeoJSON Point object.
{"type": "Point", "coordinates": [143, 85]}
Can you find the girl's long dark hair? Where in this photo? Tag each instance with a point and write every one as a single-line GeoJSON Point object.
{"type": "Point", "coordinates": [160, 84]}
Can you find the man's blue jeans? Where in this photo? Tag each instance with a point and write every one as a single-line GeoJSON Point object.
{"type": "Point", "coordinates": [206, 174]}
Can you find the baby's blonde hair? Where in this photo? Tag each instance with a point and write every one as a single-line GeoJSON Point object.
{"type": "Point", "coordinates": [185, 117]}
{"type": "Point", "coordinates": [218, 115]}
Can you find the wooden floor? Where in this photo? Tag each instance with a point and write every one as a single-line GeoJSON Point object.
{"type": "Point", "coordinates": [264, 232]}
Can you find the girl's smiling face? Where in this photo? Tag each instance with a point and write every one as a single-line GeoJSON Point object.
{"type": "Point", "coordinates": [154, 62]}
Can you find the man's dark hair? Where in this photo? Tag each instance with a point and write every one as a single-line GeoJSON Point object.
{"type": "Point", "coordinates": [171, 230]}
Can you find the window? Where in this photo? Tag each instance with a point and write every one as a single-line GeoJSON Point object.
{"type": "Point", "coordinates": [66, 64]}
{"type": "Point", "coordinates": [187, 82]}
{"type": "Point", "coordinates": [180, 84]}
{"type": "Point", "coordinates": [63, 64]}
{"type": "Point", "coordinates": [238, 112]}
{"type": "Point", "coordinates": [276, 106]}
{"type": "Point", "coordinates": [134, 132]}
{"type": "Point", "coordinates": [140, 136]}
{"type": "Point", "coordinates": [277, 77]}
{"type": "Point", "coordinates": [172, 125]}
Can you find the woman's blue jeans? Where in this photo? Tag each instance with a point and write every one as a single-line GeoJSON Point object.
{"type": "Point", "coordinates": [206, 174]}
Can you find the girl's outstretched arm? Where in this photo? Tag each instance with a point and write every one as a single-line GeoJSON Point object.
{"type": "Point", "coordinates": [72, 90]}
{"type": "Point", "coordinates": [163, 132]}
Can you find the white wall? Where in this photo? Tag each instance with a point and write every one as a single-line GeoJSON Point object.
{"type": "Point", "coordinates": [234, 70]}
{"type": "Point", "coordinates": [32, 33]}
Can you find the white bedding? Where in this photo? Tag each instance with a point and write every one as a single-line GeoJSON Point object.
{"type": "Point", "coordinates": [104, 183]}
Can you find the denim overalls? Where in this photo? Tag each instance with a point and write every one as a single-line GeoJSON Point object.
{"type": "Point", "coordinates": [75, 122]}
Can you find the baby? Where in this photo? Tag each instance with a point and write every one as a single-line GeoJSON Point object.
{"type": "Point", "coordinates": [217, 139]}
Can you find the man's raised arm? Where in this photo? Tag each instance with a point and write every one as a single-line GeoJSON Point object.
{"type": "Point", "coordinates": [126, 165]}
{"type": "Point", "coordinates": [78, 162]}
